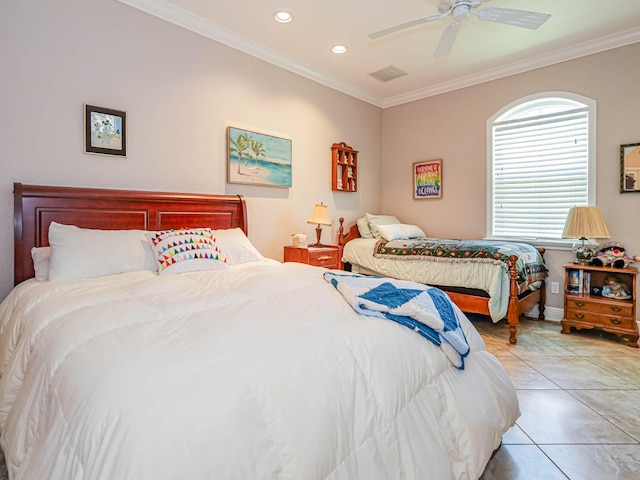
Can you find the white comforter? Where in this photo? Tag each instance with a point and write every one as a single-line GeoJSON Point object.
{"type": "Point", "coordinates": [490, 277]}
{"type": "Point", "coordinates": [257, 371]}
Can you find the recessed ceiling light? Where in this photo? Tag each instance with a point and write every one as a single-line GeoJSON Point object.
{"type": "Point", "coordinates": [283, 17]}
{"type": "Point", "coordinates": [339, 49]}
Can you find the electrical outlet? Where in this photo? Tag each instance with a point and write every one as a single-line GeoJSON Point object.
{"type": "Point", "coordinates": [555, 287]}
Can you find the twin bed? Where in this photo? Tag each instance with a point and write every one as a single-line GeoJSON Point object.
{"type": "Point", "coordinates": [497, 279]}
{"type": "Point", "coordinates": [254, 369]}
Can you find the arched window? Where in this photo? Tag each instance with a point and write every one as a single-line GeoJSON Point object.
{"type": "Point", "coordinates": [541, 163]}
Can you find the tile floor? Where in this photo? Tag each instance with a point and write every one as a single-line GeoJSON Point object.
{"type": "Point", "coordinates": [580, 401]}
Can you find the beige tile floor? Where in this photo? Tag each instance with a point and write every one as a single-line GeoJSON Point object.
{"type": "Point", "coordinates": [580, 401]}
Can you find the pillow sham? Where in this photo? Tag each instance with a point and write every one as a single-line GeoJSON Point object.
{"type": "Point", "coordinates": [375, 220]}
{"type": "Point", "coordinates": [186, 250]}
{"type": "Point", "coordinates": [413, 231]}
{"type": "Point", "coordinates": [87, 253]}
{"type": "Point", "coordinates": [363, 228]}
{"type": "Point", "coordinates": [236, 247]}
{"type": "Point", "coordinates": [392, 232]}
{"type": "Point", "coordinates": [41, 257]}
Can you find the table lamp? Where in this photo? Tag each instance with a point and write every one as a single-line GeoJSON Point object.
{"type": "Point", "coordinates": [319, 216]}
{"type": "Point", "coordinates": [584, 223]}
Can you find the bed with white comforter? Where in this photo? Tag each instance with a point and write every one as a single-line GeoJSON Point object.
{"type": "Point", "coordinates": [257, 371]}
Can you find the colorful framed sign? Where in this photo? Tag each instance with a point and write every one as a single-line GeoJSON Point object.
{"type": "Point", "coordinates": [427, 179]}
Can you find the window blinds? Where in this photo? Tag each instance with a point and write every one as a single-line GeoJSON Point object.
{"type": "Point", "coordinates": [540, 171]}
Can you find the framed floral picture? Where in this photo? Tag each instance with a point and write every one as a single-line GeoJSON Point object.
{"type": "Point", "coordinates": [105, 131]}
{"type": "Point", "coordinates": [427, 179]}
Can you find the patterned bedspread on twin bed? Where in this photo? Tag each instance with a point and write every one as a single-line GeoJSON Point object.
{"type": "Point", "coordinates": [530, 266]}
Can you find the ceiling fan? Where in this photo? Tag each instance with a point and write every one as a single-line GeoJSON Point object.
{"type": "Point", "coordinates": [459, 10]}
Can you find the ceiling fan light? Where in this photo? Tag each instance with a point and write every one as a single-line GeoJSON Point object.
{"type": "Point", "coordinates": [460, 12]}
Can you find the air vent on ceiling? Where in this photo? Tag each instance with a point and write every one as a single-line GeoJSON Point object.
{"type": "Point", "coordinates": [388, 73]}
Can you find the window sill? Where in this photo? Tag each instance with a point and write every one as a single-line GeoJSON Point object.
{"type": "Point", "coordinates": [562, 245]}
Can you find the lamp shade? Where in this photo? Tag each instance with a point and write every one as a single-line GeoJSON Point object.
{"type": "Point", "coordinates": [320, 215]}
{"type": "Point", "coordinates": [585, 222]}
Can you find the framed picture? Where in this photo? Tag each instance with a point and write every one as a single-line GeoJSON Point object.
{"type": "Point", "coordinates": [105, 131]}
{"type": "Point", "coordinates": [630, 168]}
{"type": "Point", "coordinates": [427, 179]}
{"type": "Point", "coordinates": [258, 159]}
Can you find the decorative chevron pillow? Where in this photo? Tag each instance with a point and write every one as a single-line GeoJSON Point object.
{"type": "Point", "coordinates": [186, 250]}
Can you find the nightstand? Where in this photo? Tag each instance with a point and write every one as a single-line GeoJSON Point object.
{"type": "Point", "coordinates": [586, 307]}
{"type": "Point", "coordinates": [328, 256]}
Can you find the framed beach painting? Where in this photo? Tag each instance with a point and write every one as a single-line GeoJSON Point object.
{"type": "Point", "coordinates": [427, 179]}
{"type": "Point", "coordinates": [105, 131]}
{"type": "Point", "coordinates": [258, 159]}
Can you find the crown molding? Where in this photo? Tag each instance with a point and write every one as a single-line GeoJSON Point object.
{"type": "Point", "coordinates": [576, 51]}
{"type": "Point", "coordinates": [199, 25]}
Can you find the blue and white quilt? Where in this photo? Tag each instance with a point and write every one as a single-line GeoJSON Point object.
{"type": "Point", "coordinates": [427, 310]}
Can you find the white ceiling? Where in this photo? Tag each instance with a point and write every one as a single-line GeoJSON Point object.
{"type": "Point", "coordinates": [483, 51]}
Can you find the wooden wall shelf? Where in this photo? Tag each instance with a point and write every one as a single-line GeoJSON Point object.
{"type": "Point", "coordinates": [344, 168]}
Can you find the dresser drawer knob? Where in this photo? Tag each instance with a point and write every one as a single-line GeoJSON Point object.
{"type": "Point", "coordinates": [615, 321]}
{"type": "Point", "coordinates": [579, 316]}
{"type": "Point", "coordinates": [580, 304]}
{"type": "Point", "coordinates": [615, 308]}
{"type": "Point", "coordinates": [325, 257]}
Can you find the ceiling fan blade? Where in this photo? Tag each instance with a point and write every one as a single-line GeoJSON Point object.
{"type": "Point", "coordinates": [447, 39]}
{"type": "Point", "coordinates": [397, 28]}
{"type": "Point", "coordinates": [412, 23]}
{"type": "Point", "coordinates": [508, 16]}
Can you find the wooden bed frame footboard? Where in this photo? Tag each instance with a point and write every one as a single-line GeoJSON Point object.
{"type": "Point", "coordinates": [468, 303]}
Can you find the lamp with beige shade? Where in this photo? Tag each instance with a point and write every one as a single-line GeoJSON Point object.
{"type": "Point", "coordinates": [584, 223]}
{"type": "Point", "coordinates": [319, 216]}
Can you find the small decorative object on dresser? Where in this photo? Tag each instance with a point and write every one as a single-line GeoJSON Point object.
{"type": "Point", "coordinates": [613, 254]}
{"type": "Point", "coordinates": [299, 240]}
{"type": "Point", "coordinates": [328, 256]}
{"type": "Point", "coordinates": [601, 297]}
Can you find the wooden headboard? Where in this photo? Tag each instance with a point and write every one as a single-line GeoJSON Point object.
{"type": "Point", "coordinates": [36, 206]}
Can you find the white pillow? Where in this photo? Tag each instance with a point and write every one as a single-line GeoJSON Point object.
{"type": "Point", "coordinates": [86, 253]}
{"type": "Point", "coordinates": [41, 258]}
{"type": "Point", "coordinates": [392, 232]}
{"type": "Point", "coordinates": [236, 247]}
{"type": "Point", "coordinates": [413, 231]}
{"type": "Point", "coordinates": [375, 220]}
{"type": "Point", "coordinates": [186, 250]}
{"type": "Point", "coordinates": [363, 228]}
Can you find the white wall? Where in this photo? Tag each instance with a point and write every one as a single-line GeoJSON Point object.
{"type": "Point", "coordinates": [452, 127]}
{"type": "Point", "coordinates": [180, 92]}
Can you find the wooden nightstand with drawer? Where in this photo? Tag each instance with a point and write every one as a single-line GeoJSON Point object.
{"type": "Point", "coordinates": [328, 256]}
{"type": "Point", "coordinates": [585, 306]}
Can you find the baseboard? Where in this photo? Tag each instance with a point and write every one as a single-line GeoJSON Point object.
{"type": "Point", "coordinates": [553, 314]}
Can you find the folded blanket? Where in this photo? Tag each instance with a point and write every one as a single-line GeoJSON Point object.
{"type": "Point", "coordinates": [427, 310]}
